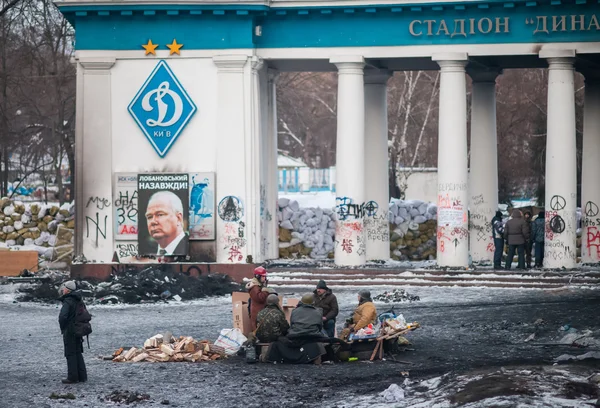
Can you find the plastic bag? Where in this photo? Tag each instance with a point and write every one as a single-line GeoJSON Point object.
{"type": "Point", "coordinates": [231, 340]}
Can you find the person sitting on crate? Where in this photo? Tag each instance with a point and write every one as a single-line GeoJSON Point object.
{"type": "Point", "coordinates": [258, 291]}
{"type": "Point", "coordinates": [304, 341]}
{"type": "Point", "coordinates": [364, 314]}
{"type": "Point", "coordinates": [271, 321]}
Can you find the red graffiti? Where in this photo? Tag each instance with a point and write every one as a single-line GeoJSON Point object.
{"type": "Point", "coordinates": [234, 252]}
{"type": "Point", "coordinates": [355, 226]}
{"type": "Point", "coordinates": [593, 241]}
{"type": "Point", "coordinates": [491, 247]}
{"type": "Point", "coordinates": [442, 246]}
{"type": "Point", "coordinates": [460, 233]}
{"type": "Point", "coordinates": [128, 229]}
{"type": "Point", "coordinates": [347, 246]}
{"type": "Point", "coordinates": [230, 229]}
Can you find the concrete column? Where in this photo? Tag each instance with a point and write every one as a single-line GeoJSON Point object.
{"type": "Point", "coordinates": [590, 188]}
{"type": "Point", "coordinates": [377, 231]}
{"type": "Point", "coordinates": [350, 246]}
{"type": "Point", "coordinates": [93, 177]}
{"type": "Point", "coordinates": [453, 191]}
{"type": "Point", "coordinates": [561, 163]}
{"type": "Point", "coordinates": [234, 170]}
{"type": "Point", "coordinates": [483, 178]}
{"type": "Point", "coordinates": [272, 170]}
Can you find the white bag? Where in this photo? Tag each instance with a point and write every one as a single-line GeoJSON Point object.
{"type": "Point", "coordinates": [231, 340]}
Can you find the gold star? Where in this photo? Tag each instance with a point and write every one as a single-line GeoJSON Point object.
{"type": "Point", "coordinates": [150, 48]}
{"type": "Point", "coordinates": [174, 47]}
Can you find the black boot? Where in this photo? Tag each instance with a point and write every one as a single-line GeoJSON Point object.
{"type": "Point", "coordinates": [72, 371]}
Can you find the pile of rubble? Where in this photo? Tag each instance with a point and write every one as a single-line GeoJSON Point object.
{"type": "Point", "coordinates": [152, 284]}
{"type": "Point", "coordinates": [165, 348]}
{"type": "Point", "coordinates": [397, 295]}
{"type": "Point", "coordinates": [46, 229]}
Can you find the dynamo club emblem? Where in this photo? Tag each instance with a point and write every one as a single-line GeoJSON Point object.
{"type": "Point", "coordinates": [162, 108]}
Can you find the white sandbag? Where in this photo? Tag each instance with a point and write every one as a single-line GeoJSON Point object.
{"type": "Point", "coordinates": [52, 240]}
{"type": "Point", "coordinates": [283, 202]}
{"type": "Point", "coordinates": [279, 216]}
{"type": "Point", "coordinates": [318, 212]}
{"type": "Point", "coordinates": [18, 225]}
{"type": "Point", "coordinates": [413, 226]}
{"type": "Point", "coordinates": [414, 212]}
{"type": "Point", "coordinates": [398, 220]}
{"type": "Point", "coordinates": [9, 210]}
{"type": "Point", "coordinates": [25, 219]}
{"type": "Point", "coordinates": [419, 219]}
{"type": "Point", "coordinates": [391, 217]}
{"type": "Point", "coordinates": [309, 213]}
{"type": "Point", "coordinates": [28, 242]}
{"type": "Point", "coordinates": [298, 235]}
{"type": "Point", "coordinates": [294, 205]}
{"type": "Point", "coordinates": [287, 225]}
{"type": "Point", "coordinates": [403, 212]}
{"type": "Point", "coordinates": [287, 213]}
{"type": "Point", "coordinates": [295, 241]}
{"type": "Point", "coordinates": [10, 242]}
{"type": "Point", "coordinates": [423, 208]}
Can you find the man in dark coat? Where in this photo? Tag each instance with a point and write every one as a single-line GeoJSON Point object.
{"type": "Point", "coordinates": [306, 320]}
{"type": "Point", "coordinates": [326, 301]}
{"type": "Point", "coordinates": [516, 234]}
{"type": "Point", "coordinates": [70, 298]}
{"type": "Point", "coordinates": [271, 321]}
{"type": "Point", "coordinates": [538, 233]}
{"type": "Point", "coordinates": [529, 243]}
{"type": "Point", "coordinates": [498, 235]}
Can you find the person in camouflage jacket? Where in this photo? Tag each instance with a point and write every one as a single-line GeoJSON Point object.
{"type": "Point", "coordinates": [271, 321]}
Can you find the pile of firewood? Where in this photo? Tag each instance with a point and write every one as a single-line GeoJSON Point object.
{"type": "Point", "coordinates": [158, 349]}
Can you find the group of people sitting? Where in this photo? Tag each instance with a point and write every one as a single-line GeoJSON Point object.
{"type": "Point", "coordinates": [311, 330]}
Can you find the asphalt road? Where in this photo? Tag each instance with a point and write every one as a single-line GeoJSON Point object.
{"type": "Point", "coordinates": [463, 329]}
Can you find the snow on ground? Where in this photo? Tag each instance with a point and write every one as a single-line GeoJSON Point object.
{"type": "Point", "coordinates": [323, 199]}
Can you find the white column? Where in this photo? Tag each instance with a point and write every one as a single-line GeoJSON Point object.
{"type": "Point", "coordinates": [453, 191]}
{"type": "Point", "coordinates": [235, 129]}
{"type": "Point", "coordinates": [350, 246]}
{"type": "Point", "coordinates": [590, 187]}
{"type": "Point", "coordinates": [377, 231]}
{"type": "Point", "coordinates": [93, 177]}
{"type": "Point", "coordinates": [561, 162]}
{"type": "Point", "coordinates": [483, 177]}
{"type": "Point", "coordinates": [272, 170]}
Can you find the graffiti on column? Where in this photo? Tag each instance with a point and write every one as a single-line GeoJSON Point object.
{"type": "Point", "coordinates": [591, 235]}
{"type": "Point", "coordinates": [559, 220]}
{"type": "Point", "coordinates": [452, 216]}
{"type": "Point", "coordinates": [233, 235]}
{"type": "Point", "coordinates": [349, 230]}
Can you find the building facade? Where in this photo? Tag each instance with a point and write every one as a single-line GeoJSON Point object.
{"type": "Point", "coordinates": [188, 88]}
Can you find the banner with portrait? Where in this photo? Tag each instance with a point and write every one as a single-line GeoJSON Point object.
{"type": "Point", "coordinates": [163, 202]}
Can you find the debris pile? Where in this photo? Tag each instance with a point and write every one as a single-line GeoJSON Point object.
{"type": "Point", "coordinates": [397, 295]}
{"type": "Point", "coordinates": [126, 397]}
{"type": "Point", "coordinates": [46, 229]}
{"type": "Point", "coordinates": [161, 349]}
{"type": "Point", "coordinates": [310, 232]}
{"type": "Point", "coordinates": [152, 284]}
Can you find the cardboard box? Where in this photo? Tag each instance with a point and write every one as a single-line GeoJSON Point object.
{"type": "Point", "coordinates": [288, 305]}
{"type": "Point", "coordinates": [241, 319]}
{"type": "Point", "coordinates": [13, 262]}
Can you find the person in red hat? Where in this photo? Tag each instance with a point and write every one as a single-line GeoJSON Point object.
{"type": "Point", "coordinates": [258, 291]}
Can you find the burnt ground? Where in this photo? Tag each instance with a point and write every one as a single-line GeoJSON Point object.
{"type": "Point", "coordinates": [463, 330]}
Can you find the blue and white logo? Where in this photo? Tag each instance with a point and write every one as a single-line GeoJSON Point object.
{"type": "Point", "coordinates": [162, 108]}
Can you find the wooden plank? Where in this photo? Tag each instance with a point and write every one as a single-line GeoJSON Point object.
{"type": "Point", "coordinates": [12, 263]}
{"type": "Point", "coordinates": [129, 355]}
{"type": "Point", "coordinates": [140, 357]}
{"type": "Point", "coordinates": [167, 350]}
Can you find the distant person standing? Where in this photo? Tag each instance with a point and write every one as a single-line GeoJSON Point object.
{"type": "Point", "coordinates": [516, 234]}
{"type": "Point", "coordinates": [538, 232]}
{"type": "Point", "coordinates": [498, 235]}
{"type": "Point", "coordinates": [73, 319]}
{"type": "Point", "coordinates": [529, 243]}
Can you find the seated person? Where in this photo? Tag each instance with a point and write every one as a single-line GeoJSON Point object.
{"type": "Point", "coordinates": [271, 321]}
{"type": "Point", "coordinates": [303, 342]}
{"type": "Point", "coordinates": [364, 314]}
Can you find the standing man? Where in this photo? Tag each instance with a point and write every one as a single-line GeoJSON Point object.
{"type": "Point", "coordinates": [71, 298]}
{"type": "Point", "coordinates": [259, 292]}
{"type": "Point", "coordinates": [326, 300]}
{"type": "Point", "coordinates": [498, 235]}
{"type": "Point", "coordinates": [529, 243]}
{"type": "Point", "coordinates": [164, 216]}
{"type": "Point", "coordinates": [538, 232]}
{"type": "Point", "coordinates": [516, 234]}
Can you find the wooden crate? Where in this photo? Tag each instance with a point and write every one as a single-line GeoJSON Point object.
{"type": "Point", "coordinates": [12, 263]}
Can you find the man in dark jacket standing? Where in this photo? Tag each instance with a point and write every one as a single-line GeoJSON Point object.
{"type": "Point", "coordinates": [326, 301]}
{"type": "Point", "coordinates": [70, 298]}
{"type": "Point", "coordinates": [498, 235]}
{"type": "Point", "coordinates": [538, 232]}
{"type": "Point", "coordinates": [516, 234]}
{"type": "Point", "coordinates": [529, 243]}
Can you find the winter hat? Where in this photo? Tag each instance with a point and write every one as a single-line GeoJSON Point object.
{"type": "Point", "coordinates": [365, 294]}
{"type": "Point", "coordinates": [272, 299]}
{"type": "Point", "coordinates": [307, 299]}
{"type": "Point", "coordinates": [322, 285]}
{"type": "Point", "coordinates": [499, 214]}
{"type": "Point", "coordinates": [71, 285]}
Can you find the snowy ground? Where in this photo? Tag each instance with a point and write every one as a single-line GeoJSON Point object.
{"type": "Point", "coordinates": [467, 334]}
{"type": "Point", "coordinates": [323, 199]}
